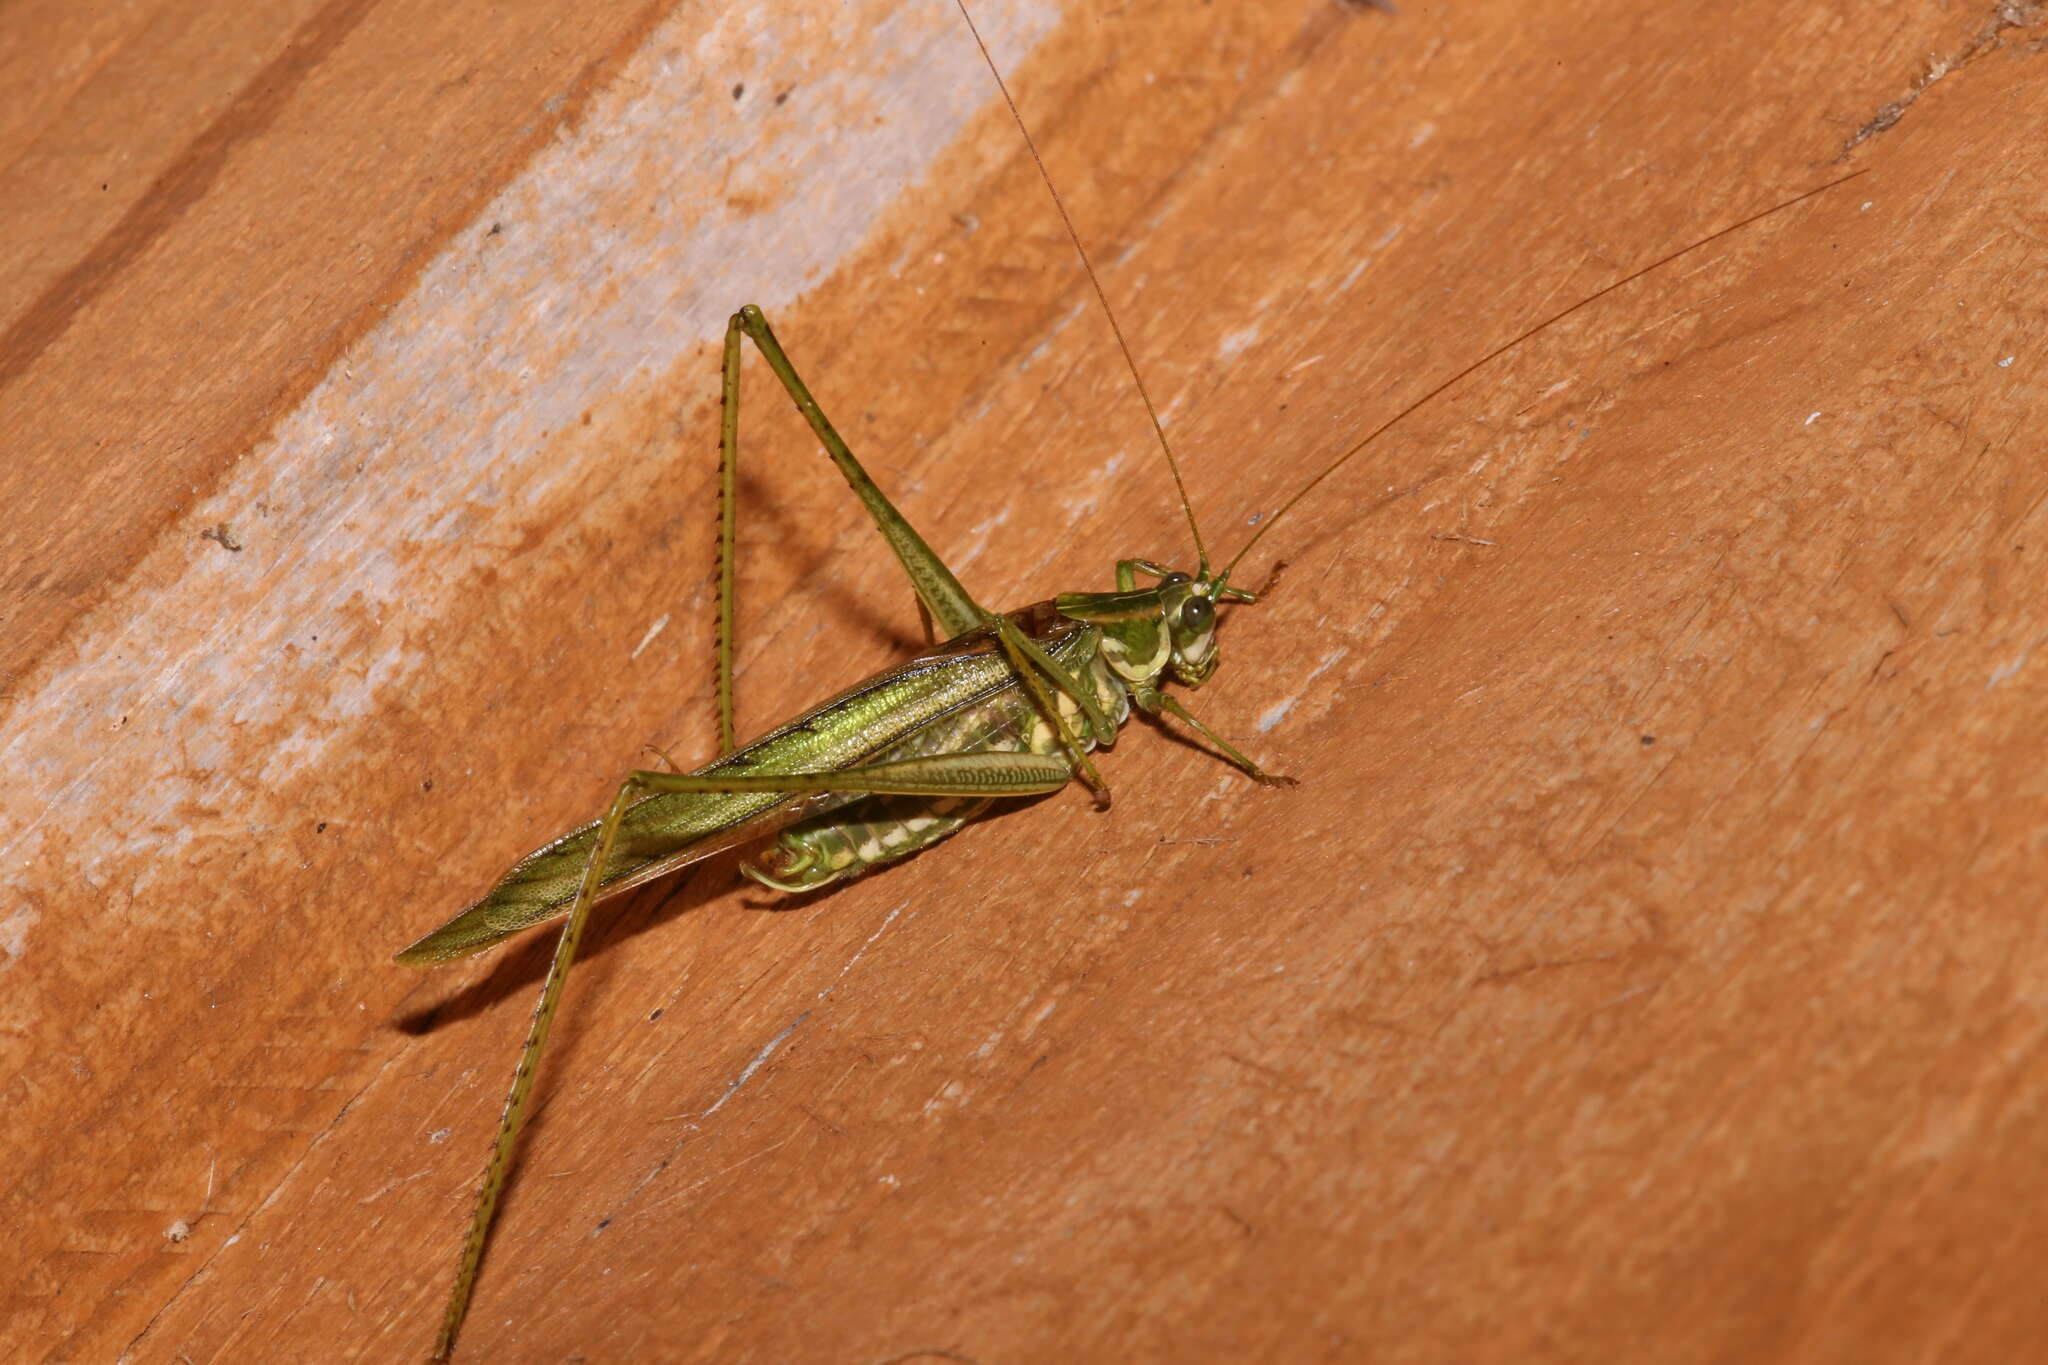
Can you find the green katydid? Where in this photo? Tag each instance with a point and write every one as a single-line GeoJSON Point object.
{"type": "Point", "coordinates": [1004, 705]}
{"type": "Point", "coordinates": [1007, 705]}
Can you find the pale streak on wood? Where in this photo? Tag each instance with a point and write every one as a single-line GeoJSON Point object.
{"type": "Point", "coordinates": [422, 458]}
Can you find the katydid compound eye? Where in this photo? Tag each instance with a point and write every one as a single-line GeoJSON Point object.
{"type": "Point", "coordinates": [1197, 614]}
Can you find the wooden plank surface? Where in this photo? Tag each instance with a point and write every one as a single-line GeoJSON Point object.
{"type": "Point", "coordinates": [1650, 964]}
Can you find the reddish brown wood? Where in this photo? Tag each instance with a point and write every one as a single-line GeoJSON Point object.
{"type": "Point", "coordinates": [1650, 963]}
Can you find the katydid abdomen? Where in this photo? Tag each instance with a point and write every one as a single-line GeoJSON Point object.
{"type": "Point", "coordinates": [847, 840]}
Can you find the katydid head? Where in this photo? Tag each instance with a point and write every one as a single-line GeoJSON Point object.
{"type": "Point", "coordinates": [1187, 609]}
{"type": "Point", "coordinates": [1188, 612]}
{"type": "Point", "coordinates": [1168, 628]}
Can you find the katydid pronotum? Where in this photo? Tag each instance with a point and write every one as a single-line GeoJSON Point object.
{"type": "Point", "coordinates": [1006, 705]}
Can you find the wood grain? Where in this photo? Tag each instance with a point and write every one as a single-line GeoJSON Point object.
{"type": "Point", "coordinates": [1649, 966]}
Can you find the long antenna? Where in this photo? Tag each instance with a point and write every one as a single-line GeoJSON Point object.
{"type": "Point", "coordinates": [1503, 349]}
{"type": "Point", "coordinates": [1095, 282]}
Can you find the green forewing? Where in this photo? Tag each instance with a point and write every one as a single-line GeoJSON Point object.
{"type": "Point", "coordinates": [664, 832]}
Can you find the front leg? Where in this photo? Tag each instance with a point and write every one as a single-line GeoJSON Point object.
{"type": "Point", "coordinates": [1155, 702]}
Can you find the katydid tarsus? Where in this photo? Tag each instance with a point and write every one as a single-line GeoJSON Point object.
{"type": "Point", "coordinates": [1006, 705]}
